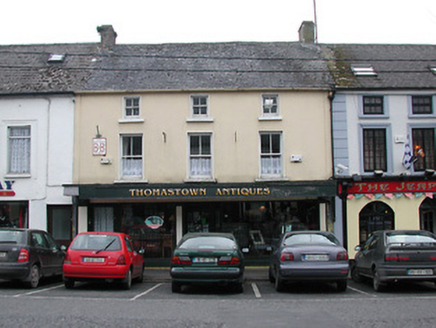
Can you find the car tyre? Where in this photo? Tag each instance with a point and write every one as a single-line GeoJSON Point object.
{"type": "Point", "coordinates": [176, 287]}
{"type": "Point", "coordinates": [377, 285]}
{"type": "Point", "coordinates": [34, 276]}
{"type": "Point", "coordinates": [355, 274]}
{"type": "Point", "coordinates": [279, 285]}
{"type": "Point", "coordinates": [341, 285]}
{"type": "Point", "coordinates": [127, 281]}
{"type": "Point", "coordinates": [69, 283]}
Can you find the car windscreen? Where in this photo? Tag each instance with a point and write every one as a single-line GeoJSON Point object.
{"type": "Point", "coordinates": [310, 238]}
{"type": "Point", "coordinates": [208, 243]}
{"type": "Point", "coordinates": [98, 242]}
{"type": "Point", "coordinates": [12, 237]}
{"type": "Point", "coordinates": [409, 238]}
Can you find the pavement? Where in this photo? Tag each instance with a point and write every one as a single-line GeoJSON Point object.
{"type": "Point", "coordinates": [162, 274]}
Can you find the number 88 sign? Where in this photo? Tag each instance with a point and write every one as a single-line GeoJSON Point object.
{"type": "Point", "coordinates": [99, 146]}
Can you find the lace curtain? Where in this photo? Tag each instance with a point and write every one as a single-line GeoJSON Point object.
{"type": "Point", "coordinates": [19, 149]}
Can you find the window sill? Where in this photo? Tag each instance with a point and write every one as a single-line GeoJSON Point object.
{"type": "Point", "coordinates": [131, 180]}
{"type": "Point", "coordinates": [270, 118]}
{"type": "Point", "coordinates": [131, 120]}
{"type": "Point", "coordinates": [18, 176]}
{"type": "Point", "coordinates": [194, 179]}
{"type": "Point", "coordinates": [199, 120]}
{"type": "Point", "coordinates": [267, 179]}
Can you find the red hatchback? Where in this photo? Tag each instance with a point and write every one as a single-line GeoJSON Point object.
{"type": "Point", "coordinates": [105, 256]}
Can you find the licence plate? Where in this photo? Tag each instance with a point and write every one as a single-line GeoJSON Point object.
{"type": "Point", "coordinates": [204, 260]}
{"type": "Point", "coordinates": [316, 257]}
{"type": "Point", "coordinates": [93, 259]}
{"type": "Point", "coordinates": [3, 254]}
{"type": "Point", "coordinates": [420, 272]}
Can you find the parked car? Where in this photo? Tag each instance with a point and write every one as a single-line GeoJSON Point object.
{"type": "Point", "coordinates": [28, 254]}
{"type": "Point", "coordinates": [309, 256]}
{"type": "Point", "coordinates": [207, 258]}
{"type": "Point", "coordinates": [107, 256]}
{"type": "Point", "coordinates": [395, 255]}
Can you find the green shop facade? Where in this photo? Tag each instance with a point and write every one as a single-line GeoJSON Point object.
{"type": "Point", "coordinates": [156, 216]}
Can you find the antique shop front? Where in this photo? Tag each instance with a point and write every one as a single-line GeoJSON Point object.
{"type": "Point", "coordinates": [157, 216]}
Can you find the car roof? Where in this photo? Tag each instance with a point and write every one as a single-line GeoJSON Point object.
{"type": "Point", "coordinates": [318, 232]}
{"type": "Point", "coordinates": [102, 233]}
{"type": "Point", "coordinates": [209, 234]}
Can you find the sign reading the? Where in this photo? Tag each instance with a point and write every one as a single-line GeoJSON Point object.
{"type": "Point", "coordinates": [392, 187]}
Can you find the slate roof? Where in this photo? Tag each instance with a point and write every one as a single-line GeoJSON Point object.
{"type": "Point", "coordinates": [212, 66]}
{"type": "Point", "coordinates": [195, 66]}
{"type": "Point", "coordinates": [397, 66]}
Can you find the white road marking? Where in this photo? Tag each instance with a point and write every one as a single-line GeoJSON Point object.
{"type": "Point", "coordinates": [256, 290]}
{"type": "Point", "coordinates": [146, 292]}
{"type": "Point", "coordinates": [361, 291]}
{"type": "Point", "coordinates": [38, 291]}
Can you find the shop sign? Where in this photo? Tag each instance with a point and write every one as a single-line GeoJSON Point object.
{"type": "Point", "coordinates": [6, 188]}
{"type": "Point", "coordinates": [392, 187]}
{"type": "Point", "coordinates": [193, 192]}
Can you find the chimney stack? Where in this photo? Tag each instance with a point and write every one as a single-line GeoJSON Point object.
{"type": "Point", "coordinates": [108, 36]}
{"type": "Point", "coordinates": [307, 32]}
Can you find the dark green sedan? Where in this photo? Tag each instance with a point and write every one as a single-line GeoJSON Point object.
{"type": "Point", "coordinates": [207, 258]}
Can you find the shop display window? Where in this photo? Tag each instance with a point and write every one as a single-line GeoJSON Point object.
{"type": "Point", "coordinates": [14, 214]}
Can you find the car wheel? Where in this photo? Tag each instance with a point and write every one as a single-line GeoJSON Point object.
{"type": "Point", "coordinates": [376, 283]}
{"type": "Point", "coordinates": [34, 276]}
{"type": "Point", "coordinates": [127, 281]}
{"type": "Point", "coordinates": [355, 274]}
{"type": "Point", "coordinates": [271, 276]}
{"type": "Point", "coordinates": [140, 279]}
{"type": "Point", "coordinates": [341, 285]}
{"type": "Point", "coordinates": [69, 283]}
{"type": "Point", "coordinates": [279, 285]}
{"type": "Point", "coordinates": [176, 287]}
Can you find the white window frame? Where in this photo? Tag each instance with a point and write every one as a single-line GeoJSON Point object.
{"type": "Point", "coordinates": [127, 107]}
{"type": "Point", "coordinates": [25, 147]}
{"type": "Point", "coordinates": [123, 157]}
{"type": "Point", "coordinates": [263, 157]}
{"type": "Point", "coordinates": [201, 176]}
{"type": "Point", "coordinates": [267, 105]}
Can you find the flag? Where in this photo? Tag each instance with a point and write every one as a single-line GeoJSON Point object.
{"type": "Point", "coordinates": [408, 156]}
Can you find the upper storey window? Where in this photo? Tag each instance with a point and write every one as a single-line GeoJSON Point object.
{"type": "Point", "coordinates": [373, 105]}
{"type": "Point", "coordinates": [199, 104]}
{"type": "Point", "coordinates": [422, 105]}
{"type": "Point", "coordinates": [270, 105]}
{"type": "Point", "coordinates": [19, 149]}
{"type": "Point", "coordinates": [131, 107]}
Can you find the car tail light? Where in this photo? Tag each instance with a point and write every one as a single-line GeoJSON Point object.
{"type": "Point", "coordinates": [67, 259]}
{"type": "Point", "coordinates": [181, 260]}
{"type": "Point", "coordinates": [342, 256]}
{"type": "Point", "coordinates": [121, 260]}
{"type": "Point", "coordinates": [432, 258]}
{"type": "Point", "coordinates": [390, 258]}
{"type": "Point", "coordinates": [23, 256]}
{"type": "Point", "coordinates": [286, 256]}
{"type": "Point", "coordinates": [228, 260]}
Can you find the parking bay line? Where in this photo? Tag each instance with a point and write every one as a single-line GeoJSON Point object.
{"type": "Point", "coordinates": [38, 291]}
{"type": "Point", "coordinates": [361, 291]}
{"type": "Point", "coordinates": [146, 292]}
{"type": "Point", "coordinates": [256, 290]}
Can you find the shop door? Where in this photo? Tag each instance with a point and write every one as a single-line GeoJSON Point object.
{"type": "Point", "coordinates": [59, 224]}
{"type": "Point", "coordinates": [427, 215]}
{"type": "Point", "coordinates": [375, 216]}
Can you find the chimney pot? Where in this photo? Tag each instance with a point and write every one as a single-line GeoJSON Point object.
{"type": "Point", "coordinates": [307, 32]}
{"type": "Point", "coordinates": [107, 35]}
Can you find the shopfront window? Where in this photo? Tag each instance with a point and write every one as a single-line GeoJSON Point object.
{"type": "Point", "coordinates": [14, 214]}
{"type": "Point", "coordinates": [375, 216]}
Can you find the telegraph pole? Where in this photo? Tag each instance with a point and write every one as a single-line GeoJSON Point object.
{"type": "Point", "coordinates": [315, 21]}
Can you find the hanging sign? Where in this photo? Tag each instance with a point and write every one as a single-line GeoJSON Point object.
{"type": "Point", "coordinates": [99, 146]}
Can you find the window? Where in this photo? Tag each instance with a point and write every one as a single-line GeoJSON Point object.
{"type": "Point", "coordinates": [270, 154]}
{"type": "Point", "coordinates": [270, 105]}
{"type": "Point", "coordinates": [374, 150]}
{"type": "Point", "coordinates": [363, 70]}
{"type": "Point", "coordinates": [200, 155]}
{"type": "Point", "coordinates": [199, 106]}
{"type": "Point", "coordinates": [19, 149]}
{"type": "Point", "coordinates": [131, 158]}
{"type": "Point", "coordinates": [373, 105]}
{"type": "Point", "coordinates": [422, 105]}
{"type": "Point", "coordinates": [423, 149]}
{"type": "Point", "coordinates": [131, 107]}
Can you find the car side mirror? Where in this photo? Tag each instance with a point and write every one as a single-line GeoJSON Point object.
{"type": "Point", "coordinates": [63, 248]}
{"type": "Point", "coordinates": [245, 250]}
{"type": "Point", "coordinates": [358, 248]}
{"type": "Point", "coordinates": [141, 251]}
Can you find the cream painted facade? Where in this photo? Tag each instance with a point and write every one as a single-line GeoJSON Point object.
{"type": "Point", "coordinates": [235, 121]}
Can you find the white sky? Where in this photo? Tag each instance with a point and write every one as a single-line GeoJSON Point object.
{"type": "Point", "coordinates": [166, 21]}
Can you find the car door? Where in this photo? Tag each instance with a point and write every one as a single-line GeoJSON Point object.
{"type": "Point", "coordinates": [365, 258]}
{"type": "Point", "coordinates": [42, 252]}
{"type": "Point", "coordinates": [56, 255]}
{"type": "Point", "coordinates": [134, 257]}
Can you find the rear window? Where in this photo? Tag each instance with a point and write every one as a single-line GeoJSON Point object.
{"type": "Point", "coordinates": [96, 243]}
{"type": "Point", "coordinates": [208, 243]}
{"type": "Point", "coordinates": [409, 238]}
{"type": "Point", "coordinates": [310, 238]}
{"type": "Point", "coordinates": [12, 237]}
